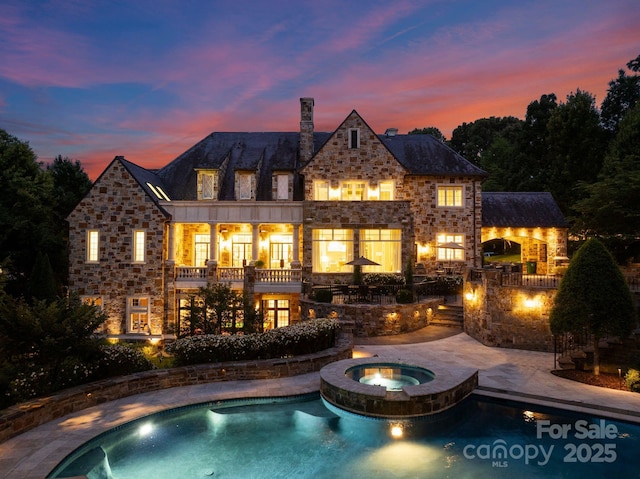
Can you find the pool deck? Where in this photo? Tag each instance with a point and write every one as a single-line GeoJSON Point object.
{"type": "Point", "coordinates": [506, 373]}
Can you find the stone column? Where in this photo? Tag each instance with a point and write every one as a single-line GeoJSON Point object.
{"type": "Point", "coordinates": [295, 260]}
{"type": "Point", "coordinates": [255, 242]}
{"type": "Point", "coordinates": [213, 243]}
{"type": "Point", "coordinates": [171, 243]}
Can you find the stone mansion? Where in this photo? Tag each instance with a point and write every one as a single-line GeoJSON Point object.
{"type": "Point", "coordinates": [269, 212]}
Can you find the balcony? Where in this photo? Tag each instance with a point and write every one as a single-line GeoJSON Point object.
{"type": "Point", "coordinates": [266, 280]}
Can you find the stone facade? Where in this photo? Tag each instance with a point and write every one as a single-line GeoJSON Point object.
{"type": "Point", "coordinates": [508, 316]}
{"type": "Point", "coordinates": [115, 207]}
{"type": "Point", "coordinates": [431, 220]}
{"type": "Point", "coordinates": [391, 189]}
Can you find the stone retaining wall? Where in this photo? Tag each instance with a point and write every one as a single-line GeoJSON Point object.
{"type": "Point", "coordinates": [20, 418]}
{"type": "Point", "coordinates": [375, 319]}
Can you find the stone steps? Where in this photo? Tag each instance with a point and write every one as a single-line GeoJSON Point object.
{"type": "Point", "coordinates": [448, 315]}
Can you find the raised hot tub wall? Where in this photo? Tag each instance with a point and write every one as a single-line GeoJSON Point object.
{"type": "Point", "coordinates": [450, 386]}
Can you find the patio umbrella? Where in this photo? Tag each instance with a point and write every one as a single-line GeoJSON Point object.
{"type": "Point", "coordinates": [362, 261]}
{"type": "Point", "coordinates": [450, 245]}
{"type": "Point", "coordinates": [358, 263]}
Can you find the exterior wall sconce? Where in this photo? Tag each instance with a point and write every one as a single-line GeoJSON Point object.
{"type": "Point", "coordinates": [471, 295]}
{"type": "Point", "coordinates": [532, 303]}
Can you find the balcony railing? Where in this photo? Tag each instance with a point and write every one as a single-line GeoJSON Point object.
{"type": "Point", "coordinates": [278, 275]}
{"type": "Point", "coordinates": [191, 273]}
{"type": "Point", "coordinates": [226, 275]}
{"type": "Point", "coordinates": [234, 275]}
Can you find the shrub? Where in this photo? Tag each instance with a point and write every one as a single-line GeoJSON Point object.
{"type": "Point", "coordinates": [324, 296]}
{"type": "Point", "coordinates": [120, 360]}
{"type": "Point", "coordinates": [404, 296]}
{"type": "Point", "coordinates": [302, 338]}
{"type": "Point", "coordinates": [632, 379]}
{"type": "Point", "coordinates": [383, 279]}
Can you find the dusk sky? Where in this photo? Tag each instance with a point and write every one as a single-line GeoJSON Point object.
{"type": "Point", "coordinates": [147, 79]}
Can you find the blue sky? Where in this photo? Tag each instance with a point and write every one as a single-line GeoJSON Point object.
{"type": "Point", "coordinates": [147, 79]}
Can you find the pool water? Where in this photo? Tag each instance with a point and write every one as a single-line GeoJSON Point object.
{"type": "Point", "coordinates": [300, 438]}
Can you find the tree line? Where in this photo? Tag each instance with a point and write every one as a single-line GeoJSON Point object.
{"type": "Point", "coordinates": [587, 157]}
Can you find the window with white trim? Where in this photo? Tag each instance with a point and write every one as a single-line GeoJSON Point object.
{"type": "Point", "coordinates": [138, 313]}
{"type": "Point", "coordinates": [450, 195]}
{"type": "Point", "coordinates": [139, 246]}
{"type": "Point", "coordinates": [93, 246]}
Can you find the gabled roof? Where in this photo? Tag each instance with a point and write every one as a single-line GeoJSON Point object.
{"type": "Point", "coordinates": [521, 210]}
{"type": "Point", "coordinates": [424, 155]}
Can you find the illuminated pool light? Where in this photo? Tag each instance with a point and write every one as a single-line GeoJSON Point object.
{"type": "Point", "coordinates": [145, 429]}
{"type": "Point", "coordinates": [396, 431]}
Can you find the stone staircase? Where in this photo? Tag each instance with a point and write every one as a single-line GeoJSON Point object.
{"type": "Point", "coordinates": [450, 315]}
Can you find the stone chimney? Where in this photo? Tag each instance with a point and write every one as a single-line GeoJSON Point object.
{"type": "Point", "coordinates": [306, 129]}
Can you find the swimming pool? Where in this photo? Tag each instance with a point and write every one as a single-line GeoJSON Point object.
{"type": "Point", "coordinates": [299, 437]}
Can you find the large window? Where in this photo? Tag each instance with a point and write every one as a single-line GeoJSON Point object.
{"type": "Point", "coordinates": [330, 250]}
{"type": "Point", "coordinates": [450, 247]}
{"type": "Point", "coordinates": [139, 246]}
{"type": "Point", "coordinates": [93, 246]}
{"type": "Point", "coordinates": [384, 247]}
{"type": "Point", "coordinates": [138, 315]}
{"type": "Point", "coordinates": [276, 313]}
{"type": "Point", "coordinates": [450, 196]}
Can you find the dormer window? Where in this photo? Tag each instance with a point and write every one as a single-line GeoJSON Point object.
{"type": "Point", "coordinates": [354, 138]}
{"type": "Point", "coordinates": [282, 186]}
{"type": "Point", "coordinates": [207, 185]}
{"type": "Point", "coordinates": [244, 186]}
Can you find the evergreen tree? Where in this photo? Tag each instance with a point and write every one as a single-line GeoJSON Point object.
{"type": "Point", "coordinates": [593, 297]}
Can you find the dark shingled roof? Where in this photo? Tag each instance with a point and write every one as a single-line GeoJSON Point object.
{"type": "Point", "coordinates": [266, 152]}
{"type": "Point", "coordinates": [521, 210]}
{"type": "Point", "coordinates": [424, 155]}
{"type": "Point", "coordinates": [279, 151]}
